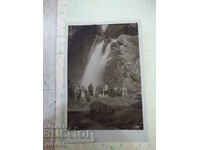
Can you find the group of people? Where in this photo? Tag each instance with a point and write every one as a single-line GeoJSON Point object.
{"type": "Point", "coordinates": [98, 91]}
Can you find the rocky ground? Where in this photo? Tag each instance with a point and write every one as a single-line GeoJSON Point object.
{"type": "Point", "coordinates": [125, 115]}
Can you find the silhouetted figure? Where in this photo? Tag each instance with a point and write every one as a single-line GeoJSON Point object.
{"type": "Point", "coordinates": [111, 91]}
{"type": "Point", "coordinates": [120, 91]}
{"type": "Point", "coordinates": [96, 93]}
{"type": "Point", "coordinates": [91, 88]}
{"type": "Point", "coordinates": [78, 92]}
{"type": "Point", "coordinates": [71, 90]}
{"type": "Point", "coordinates": [87, 96]}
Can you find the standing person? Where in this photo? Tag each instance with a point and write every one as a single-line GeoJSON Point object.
{"type": "Point", "coordinates": [86, 94]}
{"type": "Point", "coordinates": [101, 90]}
{"type": "Point", "coordinates": [124, 91]}
{"type": "Point", "coordinates": [120, 91]}
{"type": "Point", "coordinates": [96, 93]}
{"type": "Point", "coordinates": [82, 92]}
{"type": "Point", "coordinates": [71, 90]}
{"type": "Point", "coordinates": [106, 90]}
{"type": "Point", "coordinates": [115, 91]}
{"type": "Point", "coordinates": [78, 92]}
{"type": "Point", "coordinates": [90, 89]}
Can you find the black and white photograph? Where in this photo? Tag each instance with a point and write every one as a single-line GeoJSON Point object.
{"type": "Point", "coordinates": [104, 77]}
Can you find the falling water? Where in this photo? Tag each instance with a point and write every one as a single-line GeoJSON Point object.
{"type": "Point", "coordinates": [96, 64]}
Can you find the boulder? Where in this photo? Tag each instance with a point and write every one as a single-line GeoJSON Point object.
{"type": "Point", "coordinates": [101, 108]}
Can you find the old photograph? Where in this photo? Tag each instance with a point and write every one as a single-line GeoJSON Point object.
{"type": "Point", "coordinates": [104, 77]}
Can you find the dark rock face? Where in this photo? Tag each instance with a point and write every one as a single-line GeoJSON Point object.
{"type": "Point", "coordinates": [123, 68]}
{"type": "Point", "coordinates": [101, 108]}
{"type": "Point", "coordinates": [114, 31]}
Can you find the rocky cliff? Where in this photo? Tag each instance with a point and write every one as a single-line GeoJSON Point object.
{"type": "Point", "coordinates": [123, 68]}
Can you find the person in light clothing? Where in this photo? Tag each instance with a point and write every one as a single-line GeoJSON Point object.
{"type": "Point", "coordinates": [106, 90]}
{"type": "Point", "coordinates": [124, 91]}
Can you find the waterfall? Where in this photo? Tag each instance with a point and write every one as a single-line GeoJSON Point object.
{"type": "Point", "coordinates": [96, 64]}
